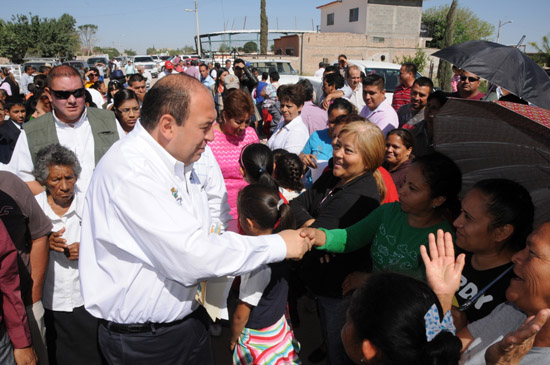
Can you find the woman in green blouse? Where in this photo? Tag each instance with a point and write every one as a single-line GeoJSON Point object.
{"type": "Point", "coordinates": [427, 202]}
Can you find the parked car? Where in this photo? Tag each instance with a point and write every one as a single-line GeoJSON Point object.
{"type": "Point", "coordinates": [36, 63]}
{"type": "Point", "coordinates": [148, 63]}
{"type": "Point", "coordinates": [78, 64]}
{"type": "Point", "coordinates": [92, 61]}
{"type": "Point", "coordinates": [286, 72]}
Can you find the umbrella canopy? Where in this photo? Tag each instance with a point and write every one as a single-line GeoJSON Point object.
{"type": "Point", "coordinates": [492, 140]}
{"type": "Point", "coordinates": [502, 65]}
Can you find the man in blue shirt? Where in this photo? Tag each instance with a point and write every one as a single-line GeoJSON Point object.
{"type": "Point", "coordinates": [206, 79]}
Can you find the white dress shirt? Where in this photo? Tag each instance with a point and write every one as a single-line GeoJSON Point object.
{"type": "Point", "coordinates": [62, 283]}
{"type": "Point", "coordinates": [291, 137]}
{"type": "Point", "coordinates": [145, 236]}
{"type": "Point", "coordinates": [211, 178]}
{"type": "Point", "coordinates": [356, 97]}
{"type": "Point", "coordinates": [77, 137]}
{"type": "Point", "coordinates": [384, 116]}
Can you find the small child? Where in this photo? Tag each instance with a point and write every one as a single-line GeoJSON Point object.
{"type": "Point", "coordinates": [260, 333]}
{"type": "Point", "coordinates": [257, 165]}
{"type": "Point", "coordinates": [288, 173]}
{"type": "Point", "coordinates": [11, 128]}
{"type": "Point", "coordinates": [15, 108]}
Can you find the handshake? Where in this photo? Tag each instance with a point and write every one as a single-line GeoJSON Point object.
{"type": "Point", "coordinates": [300, 241]}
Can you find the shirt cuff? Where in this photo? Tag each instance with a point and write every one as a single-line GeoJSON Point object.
{"type": "Point", "coordinates": [278, 248]}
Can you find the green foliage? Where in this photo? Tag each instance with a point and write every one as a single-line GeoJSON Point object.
{"type": "Point", "coordinates": [32, 36]}
{"type": "Point", "coordinates": [419, 59]}
{"type": "Point", "coordinates": [188, 49]}
{"type": "Point", "coordinates": [130, 52]}
{"type": "Point", "coordinates": [467, 26]}
{"type": "Point", "coordinates": [111, 51]}
{"type": "Point", "coordinates": [250, 47]}
{"type": "Point", "coordinates": [543, 56]}
{"type": "Point", "coordinates": [224, 48]}
{"type": "Point", "coordinates": [151, 50]}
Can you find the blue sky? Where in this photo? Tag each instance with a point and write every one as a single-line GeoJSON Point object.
{"type": "Point", "coordinates": [138, 24]}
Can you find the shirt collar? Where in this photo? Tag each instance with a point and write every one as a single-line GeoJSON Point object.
{"type": "Point", "coordinates": [177, 167]}
{"type": "Point", "coordinates": [380, 107]}
{"type": "Point", "coordinates": [80, 122]}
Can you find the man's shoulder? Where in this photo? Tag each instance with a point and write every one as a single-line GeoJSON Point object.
{"type": "Point", "coordinates": [38, 123]}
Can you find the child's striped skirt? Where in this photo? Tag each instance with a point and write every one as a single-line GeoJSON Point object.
{"type": "Point", "coordinates": [271, 345]}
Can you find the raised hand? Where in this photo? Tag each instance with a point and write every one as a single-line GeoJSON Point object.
{"type": "Point", "coordinates": [316, 236]}
{"type": "Point", "coordinates": [443, 270]}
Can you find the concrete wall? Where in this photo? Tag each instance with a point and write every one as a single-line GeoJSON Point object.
{"type": "Point", "coordinates": [341, 17]}
{"type": "Point", "coordinates": [286, 43]}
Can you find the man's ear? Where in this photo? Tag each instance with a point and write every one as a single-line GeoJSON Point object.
{"type": "Point", "coordinates": [368, 350]}
{"type": "Point", "coordinates": [167, 126]}
{"type": "Point", "coordinates": [49, 93]}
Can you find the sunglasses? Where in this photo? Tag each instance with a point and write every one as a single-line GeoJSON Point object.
{"type": "Point", "coordinates": [469, 78]}
{"type": "Point", "coordinates": [63, 95]}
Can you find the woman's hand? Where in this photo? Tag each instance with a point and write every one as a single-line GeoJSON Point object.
{"type": "Point", "coordinates": [354, 281]}
{"type": "Point", "coordinates": [315, 236]}
{"type": "Point", "coordinates": [515, 345]}
{"type": "Point", "coordinates": [56, 240]}
{"type": "Point", "coordinates": [309, 160]}
{"type": "Point", "coordinates": [443, 271]}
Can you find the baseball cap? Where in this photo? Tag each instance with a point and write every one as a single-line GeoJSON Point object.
{"type": "Point", "coordinates": [231, 82]}
{"type": "Point", "coordinates": [168, 65]}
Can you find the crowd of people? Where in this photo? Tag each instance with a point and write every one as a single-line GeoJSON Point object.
{"type": "Point", "coordinates": [121, 201]}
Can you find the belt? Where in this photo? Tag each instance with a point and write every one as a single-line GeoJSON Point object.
{"type": "Point", "coordinates": [123, 328]}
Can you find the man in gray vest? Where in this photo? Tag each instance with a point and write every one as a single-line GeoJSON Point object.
{"type": "Point", "coordinates": [89, 132]}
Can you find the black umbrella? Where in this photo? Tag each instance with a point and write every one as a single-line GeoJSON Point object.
{"type": "Point", "coordinates": [498, 140]}
{"type": "Point", "coordinates": [502, 65]}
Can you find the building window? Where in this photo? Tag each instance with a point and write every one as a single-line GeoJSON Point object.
{"type": "Point", "coordinates": [330, 19]}
{"type": "Point", "coordinates": [289, 51]}
{"type": "Point", "coordinates": [378, 39]}
{"type": "Point", "coordinates": [353, 15]}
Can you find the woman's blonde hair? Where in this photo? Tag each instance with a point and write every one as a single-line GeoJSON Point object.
{"type": "Point", "coordinates": [372, 147]}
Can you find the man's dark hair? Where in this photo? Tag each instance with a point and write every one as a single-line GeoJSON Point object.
{"type": "Point", "coordinates": [135, 78]}
{"type": "Point", "coordinates": [343, 56]}
{"type": "Point", "coordinates": [308, 88]}
{"type": "Point", "coordinates": [424, 81]}
{"type": "Point", "coordinates": [203, 65]}
{"type": "Point", "coordinates": [321, 64]}
{"type": "Point", "coordinates": [330, 69]}
{"type": "Point", "coordinates": [238, 60]}
{"type": "Point", "coordinates": [374, 79]}
{"type": "Point", "coordinates": [27, 68]}
{"type": "Point", "coordinates": [194, 63]}
{"type": "Point", "coordinates": [254, 69]}
{"type": "Point", "coordinates": [265, 76]}
{"type": "Point", "coordinates": [274, 75]}
{"type": "Point", "coordinates": [410, 67]}
{"type": "Point", "coordinates": [62, 71]}
{"type": "Point", "coordinates": [170, 95]}
{"type": "Point", "coordinates": [94, 69]}
{"type": "Point", "coordinates": [335, 79]}
{"type": "Point", "coordinates": [217, 65]}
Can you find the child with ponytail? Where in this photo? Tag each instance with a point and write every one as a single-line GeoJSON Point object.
{"type": "Point", "coordinates": [259, 330]}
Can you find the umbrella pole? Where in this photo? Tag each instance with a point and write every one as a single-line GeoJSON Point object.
{"type": "Point", "coordinates": [493, 85]}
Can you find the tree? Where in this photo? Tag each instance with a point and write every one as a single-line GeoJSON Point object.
{"type": "Point", "coordinates": [444, 70]}
{"type": "Point", "coordinates": [188, 49]}
{"type": "Point", "coordinates": [130, 52]}
{"type": "Point", "coordinates": [543, 49]}
{"type": "Point", "coordinates": [224, 48]}
{"type": "Point", "coordinates": [151, 50]}
{"type": "Point", "coordinates": [110, 51]}
{"type": "Point", "coordinates": [31, 36]}
{"type": "Point", "coordinates": [467, 25]}
{"type": "Point", "coordinates": [87, 37]}
{"type": "Point", "coordinates": [250, 47]}
{"type": "Point", "coordinates": [419, 59]}
{"type": "Point", "coordinates": [263, 28]}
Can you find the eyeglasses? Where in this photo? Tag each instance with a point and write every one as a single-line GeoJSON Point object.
{"type": "Point", "coordinates": [63, 95]}
{"type": "Point", "coordinates": [94, 74]}
{"type": "Point", "coordinates": [127, 110]}
{"type": "Point", "coordinates": [469, 78]}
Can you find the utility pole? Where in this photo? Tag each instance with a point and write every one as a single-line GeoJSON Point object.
{"type": "Point", "coordinates": [196, 11]}
{"type": "Point", "coordinates": [500, 25]}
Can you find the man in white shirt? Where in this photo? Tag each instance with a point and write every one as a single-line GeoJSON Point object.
{"type": "Point", "coordinates": [145, 234]}
{"type": "Point", "coordinates": [353, 79]}
{"type": "Point", "coordinates": [377, 108]}
{"type": "Point", "coordinates": [26, 79]}
{"type": "Point", "coordinates": [87, 132]}
{"type": "Point", "coordinates": [320, 71]}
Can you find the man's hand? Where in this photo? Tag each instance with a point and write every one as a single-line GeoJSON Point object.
{"type": "Point", "coordinates": [56, 241]}
{"type": "Point", "coordinates": [73, 250]}
{"type": "Point", "coordinates": [316, 236]}
{"type": "Point", "coordinates": [443, 271]}
{"type": "Point", "coordinates": [25, 356]}
{"type": "Point", "coordinates": [515, 345]}
{"type": "Point", "coordinates": [296, 244]}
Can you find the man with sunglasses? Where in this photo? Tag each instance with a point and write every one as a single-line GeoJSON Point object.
{"type": "Point", "coordinates": [467, 87]}
{"type": "Point", "coordinates": [89, 132]}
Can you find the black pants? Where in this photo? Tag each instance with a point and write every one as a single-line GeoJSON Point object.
{"type": "Point", "coordinates": [72, 337]}
{"type": "Point", "coordinates": [187, 342]}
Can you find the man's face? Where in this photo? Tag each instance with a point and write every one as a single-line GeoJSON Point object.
{"type": "Point", "coordinates": [327, 89]}
{"type": "Point", "coordinates": [238, 69]}
{"type": "Point", "coordinates": [405, 76]}
{"type": "Point", "coordinates": [190, 138]}
{"type": "Point", "coordinates": [342, 62]}
{"type": "Point", "coordinates": [469, 82]}
{"type": "Point", "coordinates": [419, 96]}
{"type": "Point", "coordinates": [17, 113]}
{"type": "Point", "coordinates": [373, 96]}
{"type": "Point", "coordinates": [204, 71]}
{"type": "Point", "coordinates": [139, 88]}
{"type": "Point", "coordinates": [68, 110]}
{"type": "Point", "coordinates": [354, 78]}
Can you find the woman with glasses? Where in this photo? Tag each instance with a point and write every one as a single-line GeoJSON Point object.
{"type": "Point", "coordinates": [232, 132]}
{"type": "Point", "coordinates": [126, 108]}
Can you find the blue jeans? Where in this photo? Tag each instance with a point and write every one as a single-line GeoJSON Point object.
{"type": "Point", "coordinates": [6, 350]}
{"type": "Point", "coordinates": [332, 312]}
